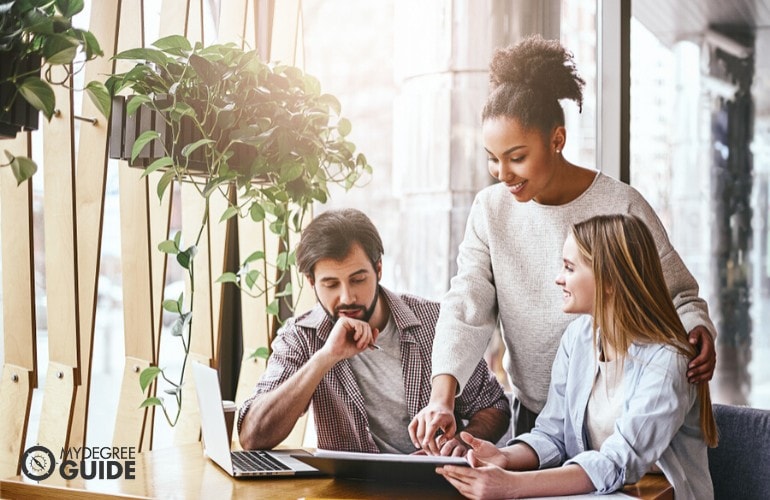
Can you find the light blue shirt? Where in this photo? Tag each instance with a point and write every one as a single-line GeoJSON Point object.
{"type": "Point", "coordinates": [660, 422]}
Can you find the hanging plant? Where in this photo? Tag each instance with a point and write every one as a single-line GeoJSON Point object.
{"type": "Point", "coordinates": [219, 116]}
{"type": "Point", "coordinates": [35, 36]}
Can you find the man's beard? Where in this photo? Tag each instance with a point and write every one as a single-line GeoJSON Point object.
{"type": "Point", "coordinates": [368, 312]}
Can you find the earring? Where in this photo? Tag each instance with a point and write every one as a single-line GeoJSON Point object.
{"type": "Point", "coordinates": [558, 151]}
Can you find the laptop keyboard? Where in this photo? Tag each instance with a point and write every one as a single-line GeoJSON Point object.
{"type": "Point", "coordinates": [256, 460]}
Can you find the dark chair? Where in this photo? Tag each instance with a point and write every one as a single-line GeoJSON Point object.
{"type": "Point", "coordinates": [740, 465]}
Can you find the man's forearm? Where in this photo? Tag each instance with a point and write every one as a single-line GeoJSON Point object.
{"type": "Point", "coordinates": [489, 424]}
{"type": "Point", "coordinates": [272, 415]}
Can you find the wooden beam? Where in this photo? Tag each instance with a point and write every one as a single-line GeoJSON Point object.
{"type": "Point", "coordinates": [89, 205]}
{"type": "Point", "coordinates": [61, 271]}
{"type": "Point", "coordinates": [19, 337]}
{"type": "Point", "coordinates": [15, 402]}
{"type": "Point", "coordinates": [136, 262]}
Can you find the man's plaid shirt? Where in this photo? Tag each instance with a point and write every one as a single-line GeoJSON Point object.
{"type": "Point", "coordinates": [338, 405]}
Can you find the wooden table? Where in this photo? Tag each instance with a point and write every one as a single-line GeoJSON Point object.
{"type": "Point", "coordinates": [183, 472]}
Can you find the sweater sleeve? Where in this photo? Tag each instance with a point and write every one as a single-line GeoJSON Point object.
{"type": "Point", "coordinates": [692, 309]}
{"type": "Point", "coordinates": [469, 309]}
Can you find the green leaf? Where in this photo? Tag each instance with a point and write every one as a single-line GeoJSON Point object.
{"type": "Point", "coordinates": [134, 102]}
{"type": "Point", "coordinates": [228, 278]}
{"type": "Point", "coordinates": [282, 261]}
{"type": "Point", "coordinates": [258, 255]}
{"type": "Point", "coordinates": [22, 167]}
{"type": "Point", "coordinates": [150, 55]}
{"type": "Point", "coordinates": [171, 306]}
{"type": "Point", "coordinates": [164, 181]}
{"type": "Point", "coordinates": [181, 324]}
{"type": "Point", "coordinates": [147, 376]}
{"type": "Point", "coordinates": [151, 402]}
{"type": "Point", "coordinates": [39, 94]}
{"type": "Point", "coordinates": [344, 126]}
{"type": "Point", "coordinates": [69, 8]}
{"type": "Point", "coordinates": [91, 44]}
{"type": "Point", "coordinates": [166, 161]}
{"type": "Point", "coordinates": [272, 308]}
{"type": "Point", "coordinates": [286, 291]}
{"type": "Point", "coordinates": [177, 238]}
{"type": "Point", "coordinates": [184, 259]}
{"type": "Point", "coordinates": [168, 246]}
{"type": "Point", "coordinates": [188, 149]}
{"type": "Point", "coordinates": [60, 49]}
{"type": "Point", "coordinates": [100, 96]}
{"type": "Point", "coordinates": [257, 212]}
{"type": "Point", "coordinates": [145, 138]}
{"type": "Point", "coordinates": [206, 70]}
{"type": "Point", "coordinates": [175, 44]}
{"type": "Point", "coordinates": [331, 102]}
{"type": "Point", "coordinates": [291, 173]}
{"type": "Point", "coordinates": [261, 353]}
{"type": "Point", "coordinates": [252, 277]}
{"type": "Point", "coordinates": [229, 212]}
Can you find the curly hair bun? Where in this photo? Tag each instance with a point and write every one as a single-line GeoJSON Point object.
{"type": "Point", "coordinates": [544, 66]}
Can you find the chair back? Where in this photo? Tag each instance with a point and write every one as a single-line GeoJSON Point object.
{"type": "Point", "coordinates": [740, 465]}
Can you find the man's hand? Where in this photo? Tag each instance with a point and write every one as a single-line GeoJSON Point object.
{"type": "Point", "coordinates": [432, 427]}
{"type": "Point", "coordinates": [701, 368]}
{"type": "Point", "coordinates": [452, 447]}
{"type": "Point", "coordinates": [349, 337]}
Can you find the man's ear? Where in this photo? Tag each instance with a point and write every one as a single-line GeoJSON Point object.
{"type": "Point", "coordinates": [310, 279]}
{"type": "Point", "coordinates": [378, 268]}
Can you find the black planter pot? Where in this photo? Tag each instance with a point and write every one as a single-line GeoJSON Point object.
{"type": "Point", "coordinates": [16, 114]}
{"type": "Point", "coordinates": [125, 129]}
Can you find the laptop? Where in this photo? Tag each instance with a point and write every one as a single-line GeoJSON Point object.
{"type": "Point", "coordinates": [216, 442]}
{"type": "Point", "coordinates": [381, 466]}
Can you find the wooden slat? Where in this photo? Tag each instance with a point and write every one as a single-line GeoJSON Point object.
{"type": "Point", "coordinates": [232, 22]}
{"type": "Point", "coordinates": [19, 339]}
{"type": "Point", "coordinates": [15, 402]}
{"type": "Point", "coordinates": [302, 293]}
{"type": "Point", "coordinates": [207, 267]}
{"type": "Point", "coordinates": [174, 14]}
{"type": "Point", "coordinates": [137, 294]}
{"type": "Point", "coordinates": [89, 186]}
{"type": "Point", "coordinates": [195, 21]}
{"type": "Point", "coordinates": [188, 428]}
{"type": "Point", "coordinates": [19, 333]}
{"type": "Point", "coordinates": [61, 272]}
{"type": "Point", "coordinates": [130, 420]}
{"type": "Point", "coordinates": [286, 35]}
{"type": "Point", "coordinates": [136, 262]}
{"type": "Point", "coordinates": [60, 231]}
{"type": "Point", "coordinates": [59, 394]}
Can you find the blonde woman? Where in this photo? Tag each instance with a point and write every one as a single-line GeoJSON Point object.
{"type": "Point", "coordinates": [619, 403]}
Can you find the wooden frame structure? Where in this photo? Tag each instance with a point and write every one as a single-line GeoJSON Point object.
{"type": "Point", "coordinates": [74, 178]}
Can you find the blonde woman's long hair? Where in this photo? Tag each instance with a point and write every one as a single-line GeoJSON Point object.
{"type": "Point", "coordinates": [632, 302]}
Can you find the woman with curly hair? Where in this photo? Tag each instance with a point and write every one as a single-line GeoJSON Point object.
{"type": "Point", "coordinates": [619, 404]}
{"type": "Point", "coordinates": [513, 242]}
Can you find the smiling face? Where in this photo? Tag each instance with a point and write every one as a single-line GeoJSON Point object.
{"type": "Point", "coordinates": [523, 160]}
{"type": "Point", "coordinates": [576, 280]}
{"type": "Point", "coordinates": [347, 287]}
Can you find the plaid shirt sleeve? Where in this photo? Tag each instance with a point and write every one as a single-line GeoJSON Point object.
{"type": "Point", "coordinates": [482, 391]}
{"type": "Point", "coordinates": [289, 352]}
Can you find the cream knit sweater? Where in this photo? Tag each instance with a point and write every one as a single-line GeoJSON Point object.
{"type": "Point", "coordinates": [507, 265]}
